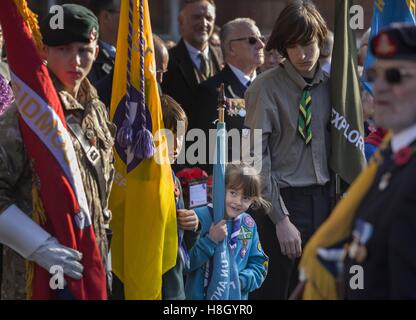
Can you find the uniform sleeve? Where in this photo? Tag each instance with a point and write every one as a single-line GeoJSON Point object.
{"type": "Point", "coordinates": [204, 247]}
{"type": "Point", "coordinates": [402, 253]}
{"type": "Point", "coordinates": [253, 275]}
{"type": "Point", "coordinates": [260, 115]}
{"type": "Point", "coordinates": [190, 238]}
{"type": "Point", "coordinates": [14, 167]}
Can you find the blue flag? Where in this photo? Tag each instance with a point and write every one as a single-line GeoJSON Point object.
{"type": "Point", "coordinates": [385, 13]}
{"type": "Point", "coordinates": [224, 283]}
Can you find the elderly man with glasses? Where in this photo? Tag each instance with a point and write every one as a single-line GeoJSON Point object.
{"type": "Point", "coordinates": [242, 46]}
{"type": "Point", "coordinates": [384, 231]}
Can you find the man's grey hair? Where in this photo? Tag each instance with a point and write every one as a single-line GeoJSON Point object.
{"type": "Point", "coordinates": [229, 27]}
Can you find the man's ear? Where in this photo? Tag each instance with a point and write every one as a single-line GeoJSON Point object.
{"type": "Point", "coordinates": [230, 49]}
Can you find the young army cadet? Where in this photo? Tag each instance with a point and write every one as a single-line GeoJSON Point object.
{"type": "Point", "coordinates": [69, 54]}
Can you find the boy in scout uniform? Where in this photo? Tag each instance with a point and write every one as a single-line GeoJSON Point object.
{"type": "Point", "coordinates": [291, 105]}
{"type": "Point", "coordinates": [69, 54]}
{"type": "Point", "coordinates": [384, 231]}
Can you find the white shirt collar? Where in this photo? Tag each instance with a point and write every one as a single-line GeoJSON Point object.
{"type": "Point", "coordinates": [241, 76]}
{"type": "Point", "coordinates": [194, 53]}
{"type": "Point", "coordinates": [403, 138]}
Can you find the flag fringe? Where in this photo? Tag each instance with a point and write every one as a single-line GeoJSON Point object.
{"type": "Point", "coordinates": [31, 20]}
{"type": "Point", "coordinates": [38, 215]}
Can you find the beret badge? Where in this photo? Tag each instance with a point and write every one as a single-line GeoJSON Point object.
{"type": "Point", "coordinates": [385, 46]}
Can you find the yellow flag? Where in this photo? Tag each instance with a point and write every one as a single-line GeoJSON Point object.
{"type": "Point", "coordinates": [145, 242]}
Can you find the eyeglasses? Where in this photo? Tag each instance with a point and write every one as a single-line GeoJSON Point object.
{"type": "Point", "coordinates": [251, 40]}
{"type": "Point", "coordinates": [391, 75]}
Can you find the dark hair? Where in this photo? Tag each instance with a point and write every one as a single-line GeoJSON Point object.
{"type": "Point", "coordinates": [299, 23]}
{"type": "Point", "coordinates": [245, 177]}
{"type": "Point", "coordinates": [172, 113]}
{"type": "Point", "coordinates": [97, 6]}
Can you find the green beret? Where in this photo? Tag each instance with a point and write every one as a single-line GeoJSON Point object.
{"type": "Point", "coordinates": [398, 42]}
{"type": "Point", "coordinates": [79, 25]}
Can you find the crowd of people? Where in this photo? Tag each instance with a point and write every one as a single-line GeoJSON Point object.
{"type": "Point", "coordinates": [279, 85]}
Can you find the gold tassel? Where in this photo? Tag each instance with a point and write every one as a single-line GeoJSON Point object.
{"type": "Point", "coordinates": [31, 20]}
{"type": "Point", "coordinates": [38, 215]}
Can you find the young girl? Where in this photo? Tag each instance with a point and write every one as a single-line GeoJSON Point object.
{"type": "Point", "coordinates": [238, 229]}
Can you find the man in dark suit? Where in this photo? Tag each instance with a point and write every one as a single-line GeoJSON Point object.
{"type": "Point", "coordinates": [193, 59]}
{"type": "Point", "coordinates": [383, 241]}
{"type": "Point", "coordinates": [108, 13]}
{"type": "Point", "coordinates": [242, 46]}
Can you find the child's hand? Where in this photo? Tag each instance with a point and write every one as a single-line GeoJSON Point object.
{"type": "Point", "coordinates": [218, 232]}
{"type": "Point", "coordinates": [187, 219]}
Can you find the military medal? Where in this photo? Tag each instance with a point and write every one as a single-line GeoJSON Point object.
{"type": "Point", "coordinates": [384, 181]}
{"type": "Point", "coordinates": [361, 234]}
{"type": "Point", "coordinates": [91, 137]}
{"type": "Point", "coordinates": [361, 254]}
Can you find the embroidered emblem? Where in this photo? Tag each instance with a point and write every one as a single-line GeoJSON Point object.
{"type": "Point", "coordinates": [385, 46]}
{"type": "Point", "coordinates": [245, 233]}
{"type": "Point", "coordinates": [243, 252]}
{"type": "Point", "coordinates": [249, 221]}
{"type": "Point", "coordinates": [259, 247]}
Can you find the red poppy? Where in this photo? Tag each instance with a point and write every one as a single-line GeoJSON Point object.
{"type": "Point", "coordinates": [402, 156]}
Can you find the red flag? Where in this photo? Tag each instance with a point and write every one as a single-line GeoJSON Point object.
{"type": "Point", "coordinates": [49, 147]}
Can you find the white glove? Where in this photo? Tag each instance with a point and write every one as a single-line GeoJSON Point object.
{"type": "Point", "coordinates": [23, 235]}
{"type": "Point", "coordinates": [51, 253]}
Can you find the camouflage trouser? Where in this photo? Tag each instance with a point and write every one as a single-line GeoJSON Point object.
{"type": "Point", "coordinates": [13, 278]}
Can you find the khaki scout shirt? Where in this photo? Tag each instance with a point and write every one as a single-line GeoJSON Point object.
{"type": "Point", "coordinates": [272, 104]}
{"type": "Point", "coordinates": [16, 173]}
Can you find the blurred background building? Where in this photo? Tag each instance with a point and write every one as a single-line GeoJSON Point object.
{"type": "Point", "coordinates": [164, 13]}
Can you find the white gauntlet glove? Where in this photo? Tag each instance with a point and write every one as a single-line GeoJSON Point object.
{"type": "Point", "coordinates": [27, 238]}
{"type": "Point", "coordinates": [51, 253]}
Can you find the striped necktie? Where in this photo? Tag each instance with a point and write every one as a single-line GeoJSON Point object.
{"type": "Point", "coordinates": [305, 116]}
{"type": "Point", "coordinates": [205, 68]}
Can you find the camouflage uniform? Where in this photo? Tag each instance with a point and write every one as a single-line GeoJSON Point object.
{"type": "Point", "coordinates": [16, 174]}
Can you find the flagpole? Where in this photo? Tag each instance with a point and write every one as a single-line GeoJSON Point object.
{"type": "Point", "coordinates": [221, 103]}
